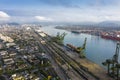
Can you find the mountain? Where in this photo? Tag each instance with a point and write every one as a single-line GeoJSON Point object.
{"type": "Point", "coordinates": [13, 23]}
{"type": "Point", "coordinates": [109, 24]}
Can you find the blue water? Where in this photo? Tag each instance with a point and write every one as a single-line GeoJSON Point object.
{"type": "Point", "coordinates": [97, 48]}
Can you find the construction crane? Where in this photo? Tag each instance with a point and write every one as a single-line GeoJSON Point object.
{"type": "Point", "coordinates": [116, 55]}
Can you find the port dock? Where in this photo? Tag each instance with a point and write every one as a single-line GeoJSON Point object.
{"type": "Point", "coordinates": [68, 60]}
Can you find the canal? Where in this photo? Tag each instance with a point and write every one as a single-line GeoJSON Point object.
{"type": "Point", "coordinates": [97, 48]}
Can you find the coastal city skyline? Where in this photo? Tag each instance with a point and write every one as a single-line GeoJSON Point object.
{"type": "Point", "coordinates": [59, 10]}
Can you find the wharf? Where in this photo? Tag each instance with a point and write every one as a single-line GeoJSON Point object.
{"type": "Point", "coordinates": [94, 68]}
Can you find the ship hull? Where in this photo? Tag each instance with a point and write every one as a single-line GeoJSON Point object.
{"type": "Point", "coordinates": [76, 32]}
{"type": "Point", "coordinates": [110, 37]}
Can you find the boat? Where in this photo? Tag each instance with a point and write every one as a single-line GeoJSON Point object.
{"type": "Point", "coordinates": [76, 32]}
{"type": "Point", "coordinates": [112, 37]}
{"type": "Point", "coordinates": [77, 49]}
{"type": "Point", "coordinates": [73, 48]}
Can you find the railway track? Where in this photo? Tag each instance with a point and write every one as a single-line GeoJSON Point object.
{"type": "Point", "coordinates": [61, 73]}
{"type": "Point", "coordinates": [59, 59]}
{"type": "Point", "coordinates": [81, 66]}
{"type": "Point", "coordinates": [65, 54]}
{"type": "Point", "coordinates": [73, 64]}
{"type": "Point", "coordinates": [58, 52]}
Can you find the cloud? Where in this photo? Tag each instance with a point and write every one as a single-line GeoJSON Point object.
{"type": "Point", "coordinates": [81, 15]}
{"type": "Point", "coordinates": [80, 3]}
{"type": "Point", "coordinates": [4, 16]}
{"type": "Point", "coordinates": [42, 18]}
{"type": "Point", "coordinates": [94, 14]}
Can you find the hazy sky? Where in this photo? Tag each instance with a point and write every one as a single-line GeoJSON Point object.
{"type": "Point", "coordinates": [59, 10]}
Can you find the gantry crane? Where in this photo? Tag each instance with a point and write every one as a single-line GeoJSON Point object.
{"type": "Point", "coordinates": [113, 61]}
{"type": "Point", "coordinates": [84, 45]}
{"type": "Point", "coordinates": [116, 55]}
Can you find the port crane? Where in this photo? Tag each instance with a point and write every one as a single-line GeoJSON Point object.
{"type": "Point", "coordinates": [59, 38]}
{"type": "Point", "coordinates": [84, 45]}
{"type": "Point", "coordinates": [116, 55]}
{"type": "Point", "coordinates": [79, 50]}
{"type": "Point", "coordinates": [115, 59]}
{"type": "Point", "coordinates": [114, 62]}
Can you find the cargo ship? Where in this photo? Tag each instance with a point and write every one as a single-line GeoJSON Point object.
{"type": "Point", "coordinates": [112, 37]}
{"type": "Point", "coordinates": [76, 32]}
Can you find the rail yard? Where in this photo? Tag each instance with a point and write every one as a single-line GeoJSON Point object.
{"type": "Point", "coordinates": [62, 58]}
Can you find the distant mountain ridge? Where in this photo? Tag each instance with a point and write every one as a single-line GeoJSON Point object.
{"type": "Point", "coordinates": [13, 23]}
{"type": "Point", "coordinates": [96, 24]}
{"type": "Point", "coordinates": [102, 24]}
{"type": "Point", "coordinates": [110, 23]}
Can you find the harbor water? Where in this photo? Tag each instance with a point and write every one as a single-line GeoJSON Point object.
{"type": "Point", "coordinates": [97, 48]}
